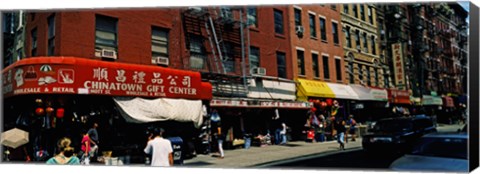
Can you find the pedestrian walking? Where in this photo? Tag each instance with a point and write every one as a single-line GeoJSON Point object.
{"type": "Point", "coordinates": [93, 134]}
{"type": "Point", "coordinates": [340, 128]}
{"type": "Point", "coordinates": [352, 127]}
{"type": "Point", "coordinates": [65, 157]}
{"type": "Point", "coordinates": [283, 134]}
{"type": "Point", "coordinates": [160, 149]}
{"type": "Point", "coordinates": [85, 152]}
{"type": "Point", "coordinates": [321, 129]}
{"type": "Point", "coordinates": [217, 132]}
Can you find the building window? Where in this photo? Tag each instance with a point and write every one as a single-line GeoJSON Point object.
{"type": "Point", "coordinates": [313, 29]}
{"type": "Point", "coordinates": [278, 21]}
{"type": "Point", "coordinates": [316, 70]}
{"type": "Point", "coordinates": [226, 12]}
{"type": "Point", "coordinates": [365, 43]}
{"type": "Point", "coordinates": [298, 17]}
{"type": "Point", "coordinates": [338, 67]}
{"type": "Point", "coordinates": [376, 77]}
{"type": "Point", "coordinates": [228, 54]}
{"type": "Point", "coordinates": [301, 62]}
{"type": "Point", "coordinates": [336, 40]}
{"type": "Point", "coordinates": [360, 72]}
{"type": "Point", "coordinates": [281, 65]}
{"type": "Point", "coordinates": [348, 37]}
{"type": "Point", "coordinates": [357, 39]}
{"type": "Point", "coordinates": [372, 44]}
{"type": "Point", "coordinates": [370, 15]}
{"type": "Point", "coordinates": [326, 70]}
{"type": "Point", "coordinates": [362, 12]}
{"type": "Point", "coordinates": [34, 42]}
{"type": "Point", "coordinates": [159, 42]}
{"type": "Point", "coordinates": [254, 57]}
{"type": "Point", "coordinates": [354, 10]}
{"type": "Point", "coordinates": [369, 79]}
{"type": "Point", "coordinates": [197, 52]}
{"type": "Point", "coordinates": [252, 16]}
{"type": "Point", "coordinates": [351, 75]}
{"type": "Point", "coordinates": [346, 8]}
{"type": "Point", "coordinates": [333, 7]}
{"type": "Point", "coordinates": [51, 35]}
{"type": "Point", "coordinates": [323, 29]}
{"type": "Point", "coordinates": [105, 32]}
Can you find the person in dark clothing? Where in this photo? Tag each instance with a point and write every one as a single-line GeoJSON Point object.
{"type": "Point", "coordinates": [339, 125]}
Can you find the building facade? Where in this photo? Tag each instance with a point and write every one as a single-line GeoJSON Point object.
{"type": "Point", "coordinates": [361, 48]}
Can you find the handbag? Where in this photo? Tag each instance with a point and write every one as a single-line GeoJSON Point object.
{"type": "Point", "coordinates": [30, 74]}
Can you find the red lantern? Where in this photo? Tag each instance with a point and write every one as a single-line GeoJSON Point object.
{"type": "Point", "coordinates": [313, 109]}
{"type": "Point", "coordinates": [323, 104]}
{"type": "Point", "coordinates": [49, 110]}
{"type": "Point", "coordinates": [60, 112]}
{"type": "Point", "coordinates": [329, 102]}
{"type": "Point", "coordinates": [39, 111]}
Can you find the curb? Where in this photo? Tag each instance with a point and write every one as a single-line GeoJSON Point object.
{"type": "Point", "coordinates": [307, 157]}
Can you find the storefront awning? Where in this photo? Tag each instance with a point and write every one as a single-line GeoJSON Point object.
{"type": "Point", "coordinates": [310, 88]}
{"type": "Point", "coordinates": [399, 97]}
{"type": "Point", "coordinates": [370, 94]}
{"type": "Point", "coordinates": [140, 110]}
{"type": "Point", "coordinates": [342, 91]}
{"type": "Point", "coordinates": [72, 75]}
{"type": "Point", "coordinates": [448, 101]}
{"type": "Point", "coordinates": [238, 103]}
{"type": "Point", "coordinates": [431, 100]}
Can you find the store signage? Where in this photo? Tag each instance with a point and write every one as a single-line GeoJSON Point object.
{"type": "Point", "coordinates": [103, 78]}
{"type": "Point", "coordinates": [378, 94]}
{"type": "Point", "coordinates": [261, 104]}
{"type": "Point", "coordinates": [398, 65]}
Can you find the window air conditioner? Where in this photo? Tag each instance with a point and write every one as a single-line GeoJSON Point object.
{"type": "Point", "coordinates": [259, 71]}
{"type": "Point", "coordinates": [160, 61]}
{"type": "Point", "coordinates": [111, 54]}
{"type": "Point", "coordinates": [299, 30]}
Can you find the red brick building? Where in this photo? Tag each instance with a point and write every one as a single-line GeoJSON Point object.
{"type": "Point", "coordinates": [319, 41]}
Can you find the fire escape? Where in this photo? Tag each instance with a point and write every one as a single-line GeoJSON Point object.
{"type": "Point", "coordinates": [219, 30]}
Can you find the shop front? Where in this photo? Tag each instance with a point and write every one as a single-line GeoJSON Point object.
{"type": "Point", "coordinates": [55, 97]}
{"type": "Point", "coordinates": [433, 106]}
{"type": "Point", "coordinates": [400, 102]}
{"type": "Point", "coordinates": [370, 100]}
{"type": "Point", "coordinates": [332, 100]}
{"type": "Point", "coordinates": [269, 102]}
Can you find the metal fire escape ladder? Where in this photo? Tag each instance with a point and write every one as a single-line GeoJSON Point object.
{"type": "Point", "coordinates": [217, 43]}
{"type": "Point", "coordinates": [215, 60]}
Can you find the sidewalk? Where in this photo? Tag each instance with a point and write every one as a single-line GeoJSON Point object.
{"type": "Point", "coordinates": [255, 156]}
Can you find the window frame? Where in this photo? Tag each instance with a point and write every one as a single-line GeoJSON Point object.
{"type": "Point", "coordinates": [301, 62]}
{"type": "Point", "coordinates": [326, 67]}
{"type": "Point", "coordinates": [323, 30]}
{"type": "Point", "coordinates": [278, 23]}
{"type": "Point", "coordinates": [51, 35]}
{"type": "Point", "coordinates": [355, 10]}
{"type": "Point", "coordinates": [315, 65]}
{"type": "Point", "coordinates": [160, 42]}
{"type": "Point", "coordinates": [338, 67]}
{"type": "Point", "coordinates": [348, 37]}
{"type": "Point", "coordinates": [313, 25]}
{"type": "Point", "coordinates": [373, 45]}
{"type": "Point", "coordinates": [257, 50]}
{"type": "Point", "coordinates": [280, 67]}
{"type": "Point", "coordinates": [362, 12]}
{"type": "Point", "coordinates": [199, 53]}
{"type": "Point", "coordinates": [365, 42]}
{"type": "Point", "coordinates": [254, 16]}
{"type": "Point", "coordinates": [101, 29]}
{"type": "Point", "coordinates": [34, 41]}
{"type": "Point", "coordinates": [336, 37]}
{"type": "Point", "coordinates": [297, 16]}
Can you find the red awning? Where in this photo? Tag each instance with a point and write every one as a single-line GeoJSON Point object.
{"type": "Point", "coordinates": [398, 96]}
{"type": "Point", "coordinates": [448, 101]}
{"type": "Point", "coordinates": [72, 75]}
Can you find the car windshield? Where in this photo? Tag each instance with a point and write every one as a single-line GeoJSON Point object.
{"type": "Point", "coordinates": [392, 125]}
{"type": "Point", "coordinates": [442, 147]}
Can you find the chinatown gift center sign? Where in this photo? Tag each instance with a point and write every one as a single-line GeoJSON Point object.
{"type": "Point", "coordinates": [398, 65]}
{"type": "Point", "coordinates": [68, 75]}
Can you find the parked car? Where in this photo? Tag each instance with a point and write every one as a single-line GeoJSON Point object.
{"type": "Point", "coordinates": [438, 152]}
{"type": "Point", "coordinates": [397, 135]}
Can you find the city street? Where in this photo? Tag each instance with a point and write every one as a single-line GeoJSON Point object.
{"type": "Point", "coordinates": [352, 160]}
